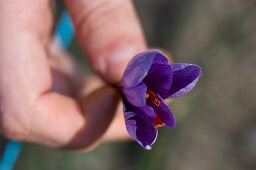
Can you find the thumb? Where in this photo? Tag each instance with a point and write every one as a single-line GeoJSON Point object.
{"type": "Point", "coordinates": [109, 33]}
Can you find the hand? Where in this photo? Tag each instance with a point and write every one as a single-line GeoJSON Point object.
{"type": "Point", "coordinates": [43, 99]}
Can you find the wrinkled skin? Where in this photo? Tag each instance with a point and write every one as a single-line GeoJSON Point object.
{"type": "Point", "coordinates": [43, 99]}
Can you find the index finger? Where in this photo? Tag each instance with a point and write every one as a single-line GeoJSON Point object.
{"type": "Point", "coordinates": [109, 33]}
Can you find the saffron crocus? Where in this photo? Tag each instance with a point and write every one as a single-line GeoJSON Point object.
{"type": "Point", "coordinates": [147, 81]}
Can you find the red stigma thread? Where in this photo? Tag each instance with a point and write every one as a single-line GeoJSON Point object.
{"type": "Point", "coordinates": [152, 98]}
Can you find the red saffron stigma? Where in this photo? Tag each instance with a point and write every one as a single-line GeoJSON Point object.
{"type": "Point", "coordinates": [152, 97]}
{"type": "Point", "coordinates": [158, 122]}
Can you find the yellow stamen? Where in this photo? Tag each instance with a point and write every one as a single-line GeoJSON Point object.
{"type": "Point", "coordinates": [152, 97]}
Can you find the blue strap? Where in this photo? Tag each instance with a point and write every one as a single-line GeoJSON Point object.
{"type": "Point", "coordinates": [10, 155]}
{"type": "Point", "coordinates": [64, 31]}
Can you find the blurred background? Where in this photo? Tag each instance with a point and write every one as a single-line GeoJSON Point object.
{"type": "Point", "coordinates": [216, 126]}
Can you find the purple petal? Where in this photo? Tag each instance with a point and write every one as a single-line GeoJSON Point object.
{"type": "Point", "coordinates": [140, 130]}
{"type": "Point", "coordinates": [136, 95]}
{"type": "Point", "coordinates": [185, 77]}
{"type": "Point", "coordinates": [163, 112]}
{"type": "Point", "coordinates": [159, 79]}
{"type": "Point", "coordinates": [139, 66]}
{"type": "Point", "coordinates": [147, 113]}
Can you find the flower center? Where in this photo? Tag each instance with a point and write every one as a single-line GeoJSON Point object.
{"type": "Point", "coordinates": [152, 98]}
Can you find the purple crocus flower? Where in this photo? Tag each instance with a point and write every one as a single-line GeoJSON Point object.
{"type": "Point", "coordinates": [147, 81]}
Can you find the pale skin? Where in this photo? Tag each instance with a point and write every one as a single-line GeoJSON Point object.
{"type": "Point", "coordinates": [43, 98]}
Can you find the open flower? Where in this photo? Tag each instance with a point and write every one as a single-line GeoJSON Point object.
{"type": "Point", "coordinates": [147, 81]}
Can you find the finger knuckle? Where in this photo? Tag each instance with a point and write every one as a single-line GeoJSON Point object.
{"type": "Point", "coordinates": [10, 126]}
{"type": "Point", "coordinates": [101, 15]}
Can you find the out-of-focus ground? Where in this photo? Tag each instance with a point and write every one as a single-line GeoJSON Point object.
{"type": "Point", "coordinates": [216, 122]}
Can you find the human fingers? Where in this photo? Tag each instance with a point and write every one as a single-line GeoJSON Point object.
{"type": "Point", "coordinates": [109, 33]}
{"type": "Point", "coordinates": [23, 66]}
{"type": "Point", "coordinates": [30, 110]}
{"type": "Point", "coordinates": [66, 73]}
